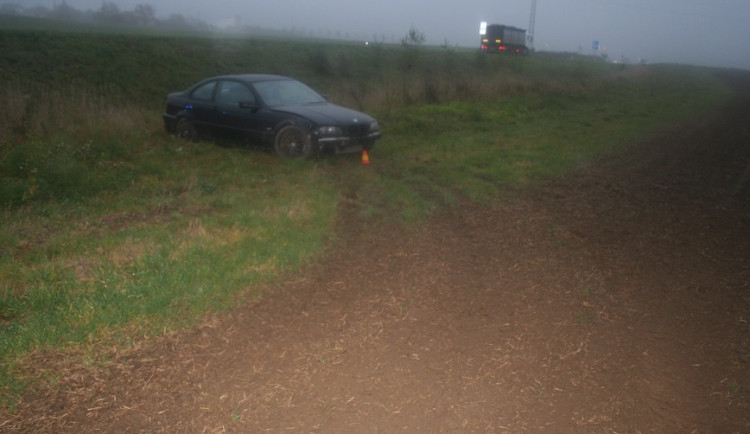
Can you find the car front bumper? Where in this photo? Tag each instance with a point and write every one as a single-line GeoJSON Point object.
{"type": "Point", "coordinates": [346, 145]}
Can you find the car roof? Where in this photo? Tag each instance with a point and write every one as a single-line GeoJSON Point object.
{"type": "Point", "coordinates": [250, 78]}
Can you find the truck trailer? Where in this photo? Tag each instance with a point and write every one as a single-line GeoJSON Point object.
{"type": "Point", "coordinates": [498, 38]}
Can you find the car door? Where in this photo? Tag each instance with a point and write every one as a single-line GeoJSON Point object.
{"type": "Point", "coordinates": [238, 110]}
{"type": "Point", "coordinates": [202, 106]}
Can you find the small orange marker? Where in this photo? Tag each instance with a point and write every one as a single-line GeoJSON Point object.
{"type": "Point", "coordinates": [365, 158]}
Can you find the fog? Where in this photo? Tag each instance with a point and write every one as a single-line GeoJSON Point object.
{"type": "Point", "coordinates": [701, 32]}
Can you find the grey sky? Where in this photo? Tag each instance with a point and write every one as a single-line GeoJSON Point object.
{"type": "Point", "coordinates": [703, 32]}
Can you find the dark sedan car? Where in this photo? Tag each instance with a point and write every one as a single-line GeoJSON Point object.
{"type": "Point", "coordinates": [272, 110]}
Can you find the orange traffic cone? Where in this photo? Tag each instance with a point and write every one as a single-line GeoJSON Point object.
{"type": "Point", "coordinates": [365, 157]}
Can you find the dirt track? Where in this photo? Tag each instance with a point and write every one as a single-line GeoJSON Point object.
{"type": "Point", "coordinates": [614, 300]}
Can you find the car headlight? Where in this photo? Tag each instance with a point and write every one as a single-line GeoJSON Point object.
{"type": "Point", "coordinates": [329, 132]}
{"type": "Point", "coordinates": [374, 126]}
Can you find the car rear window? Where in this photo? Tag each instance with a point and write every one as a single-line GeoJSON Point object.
{"type": "Point", "coordinates": [204, 92]}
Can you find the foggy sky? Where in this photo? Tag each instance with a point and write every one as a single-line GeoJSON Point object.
{"type": "Point", "coordinates": [701, 32]}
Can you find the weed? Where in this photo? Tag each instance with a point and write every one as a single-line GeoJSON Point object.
{"type": "Point", "coordinates": [736, 388]}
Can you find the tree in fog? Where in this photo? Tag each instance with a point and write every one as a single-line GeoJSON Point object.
{"type": "Point", "coordinates": [10, 9]}
{"type": "Point", "coordinates": [176, 21]}
{"type": "Point", "coordinates": [413, 37]}
{"type": "Point", "coordinates": [65, 12]}
{"type": "Point", "coordinates": [109, 13]}
{"type": "Point", "coordinates": [144, 15]}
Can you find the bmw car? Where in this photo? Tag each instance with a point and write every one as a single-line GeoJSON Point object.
{"type": "Point", "coordinates": [272, 110]}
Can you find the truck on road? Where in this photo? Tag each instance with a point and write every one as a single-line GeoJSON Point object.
{"type": "Point", "coordinates": [498, 38]}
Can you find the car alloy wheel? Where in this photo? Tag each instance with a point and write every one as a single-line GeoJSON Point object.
{"type": "Point", "coordinates": [185, 129]}
{"type": "Point", "coordinates": [292, 142]}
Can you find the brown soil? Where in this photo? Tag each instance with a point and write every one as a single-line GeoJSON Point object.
{"type": "Point", "coordinates": [615, 300]}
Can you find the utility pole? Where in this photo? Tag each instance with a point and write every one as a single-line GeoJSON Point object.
{"type": "Point", "coordinates": [532, 23]}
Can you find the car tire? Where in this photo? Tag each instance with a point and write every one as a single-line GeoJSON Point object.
{"type": "Point", "coordinates": [292, 142]}
{"type": "Point", "coordinates": [185, 129]}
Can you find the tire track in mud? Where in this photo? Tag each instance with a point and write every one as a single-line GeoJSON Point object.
{"type": "Point", "coordinates": [698, 297]}
{"type": "Point", "coordinates": [677, 242]}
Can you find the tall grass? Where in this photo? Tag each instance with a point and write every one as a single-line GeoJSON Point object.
{"type": "Point", "coordinates": [67, 144]}
{"type": "Point", "coordinates": [520, 133]}
{"type": "Point", "coordinates": [111, 229]}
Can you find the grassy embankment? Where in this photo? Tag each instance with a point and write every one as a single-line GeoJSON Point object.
{"type": "Point", "coordinates": [110, 229]}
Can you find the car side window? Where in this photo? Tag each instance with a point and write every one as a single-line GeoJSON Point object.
{"type": "Point", "coordinates": [234, 92]}
{"type": "Point", "coordinates": [204, 92]}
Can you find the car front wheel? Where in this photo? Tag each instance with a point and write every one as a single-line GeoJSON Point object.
{"type": "Point", "coordinates": [185, 129]}
{"type": "Point", "coordinates": [292, 142]}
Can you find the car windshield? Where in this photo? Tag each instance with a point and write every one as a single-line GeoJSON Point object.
{"type": "Point", "coordinates": [286, 92]}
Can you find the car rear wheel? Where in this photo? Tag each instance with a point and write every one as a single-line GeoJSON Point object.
{"type": "Point", "coordinates": [292, 142]}
{"type": "Point", "coordinates": [185, 129]}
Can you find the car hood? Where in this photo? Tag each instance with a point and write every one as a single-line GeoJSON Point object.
{"type": "Point", "coordinates": [327, 114]}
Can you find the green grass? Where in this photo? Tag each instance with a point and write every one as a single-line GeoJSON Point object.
{"type": "Point", "coordinates": [475, 150]}
{"type": "Point", "coordinates": [111, 230]}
